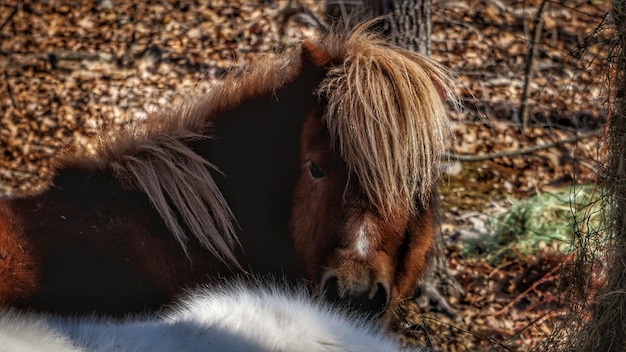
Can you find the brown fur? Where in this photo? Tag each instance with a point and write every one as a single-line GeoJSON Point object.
{"type": "Point", "coordinates": [156, 159]}
{"type": "Point", "coordinates": [131, 225]}
{"type": "Point", "coordinates": [207, 189]}
{"type": "Point", "coordinates": [18, 268]}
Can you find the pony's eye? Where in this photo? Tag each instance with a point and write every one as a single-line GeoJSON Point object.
{"type": "Point", "coordinates": [316, 170]}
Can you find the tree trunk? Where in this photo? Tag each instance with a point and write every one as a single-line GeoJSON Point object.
{"type": "Point", "coordinates": [407, 23]}
{"type": "Point", "coordinates": [605, 330]}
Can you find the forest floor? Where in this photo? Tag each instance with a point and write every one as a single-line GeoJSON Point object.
{"type": "Point", "coordinates": [69, 67]}
{"type": "Point", "coordinates": [507, 242]}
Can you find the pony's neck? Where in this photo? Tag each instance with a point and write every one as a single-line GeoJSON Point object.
{"type": "Point", "coordinates": [256, 146]}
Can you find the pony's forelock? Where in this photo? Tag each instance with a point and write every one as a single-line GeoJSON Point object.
{"type": "Point", "coordinates": [386, 116]}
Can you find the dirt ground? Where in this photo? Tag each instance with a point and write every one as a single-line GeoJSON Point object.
{"type": "Point", "coordinates": [68, 67]}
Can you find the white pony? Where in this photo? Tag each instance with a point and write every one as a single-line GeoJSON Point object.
{"type": "Point", "coordinates": [231, 317]}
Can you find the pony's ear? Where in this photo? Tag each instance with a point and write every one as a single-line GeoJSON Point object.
{"type": "Point", "coordinates": [312, 54]}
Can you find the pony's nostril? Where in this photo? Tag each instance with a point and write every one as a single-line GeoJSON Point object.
{"type": "Point", "coordinates": [372, 303]}
{"type": "Point", "coordinates": [379, 300]}
{"type": "Point", "coordinates": [331, 289]}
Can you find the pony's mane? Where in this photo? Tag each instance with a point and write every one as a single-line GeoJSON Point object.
{"type": "Point", "coordinates": [386, 116]}
{"type": "Point", "coordinates": [177, 181]}
{"type": "Point", "coordinates": [155, 157]}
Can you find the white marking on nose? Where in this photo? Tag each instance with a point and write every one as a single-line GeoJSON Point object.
{"type": "Point", "coordinates": [362, 243]}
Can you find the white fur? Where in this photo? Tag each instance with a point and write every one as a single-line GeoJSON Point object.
{"type": "Point", "coordinates": [236, 318]}
{"type": "Point", "coordinates": [21, 332]}
{"type": "Point", "coordinates": [362, 244]}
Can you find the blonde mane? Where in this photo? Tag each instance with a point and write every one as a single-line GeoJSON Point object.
{"type": "Point", "coordinates": [386, 117]}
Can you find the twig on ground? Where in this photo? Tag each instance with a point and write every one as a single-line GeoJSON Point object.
{"type": "Point", "coordinates": [32, 60]}
{"type": "Point", "coordinates": [9, 91]}
{"type": "Point", "coordinates": [9, 18]}
{"type": "Point", "coordinates": [522, 151]}
{"type": "Point", "coordinates": [544, 278]}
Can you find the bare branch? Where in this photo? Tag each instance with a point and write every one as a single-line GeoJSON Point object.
{"type": "Point", "coordinates": [530, 63]}
{"type": "Point", "coordinates": [529, 150]}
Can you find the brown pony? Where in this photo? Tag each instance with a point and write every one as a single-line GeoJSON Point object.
{"type": "Point", "coordinates": [320, 165]}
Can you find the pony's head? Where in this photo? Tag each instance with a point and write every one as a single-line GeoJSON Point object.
{"type": "Point", "coordinates": [362, 220]}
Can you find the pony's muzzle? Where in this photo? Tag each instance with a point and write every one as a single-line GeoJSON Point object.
{"type": "Point", "coordinates": [372, 303]}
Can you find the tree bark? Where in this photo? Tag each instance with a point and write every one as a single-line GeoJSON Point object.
{"type": "Point", "coordinates": [405, 22]}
